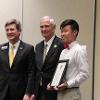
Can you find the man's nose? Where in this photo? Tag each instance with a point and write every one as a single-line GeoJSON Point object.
{"type": "Point", "coordinates": [9, 31]}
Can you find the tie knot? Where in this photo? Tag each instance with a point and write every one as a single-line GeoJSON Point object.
{"type": "Point", "coordinates": [13, 46]}
{"type": "Point", "coordinates": [45, 46]}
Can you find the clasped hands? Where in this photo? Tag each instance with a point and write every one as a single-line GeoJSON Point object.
{"type": "Point", "coordinates": [60, 87]}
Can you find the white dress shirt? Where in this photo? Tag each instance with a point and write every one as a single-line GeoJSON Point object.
{"type": "Point", "coordinates": [77, 70]}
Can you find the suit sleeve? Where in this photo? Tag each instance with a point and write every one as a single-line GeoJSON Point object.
{"type": "Point", "coordinates": [31, 72]}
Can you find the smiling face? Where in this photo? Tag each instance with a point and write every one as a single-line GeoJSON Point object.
{"type": "Point", "coordinates": [69, 30]}
{"type": "Point", "coordinates": [12, 33]}
{"type": "Point", "coordinates": [68, 35]}
{"type": "Point", "coordinates": [47, 28]}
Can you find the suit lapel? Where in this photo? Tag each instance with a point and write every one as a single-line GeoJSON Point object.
{"type": "Point", "coordinates": [18, 53]}
{"type": "Point", "coordinates": [4, 52]}
{"type": "Point", "coordinates": [40, 51]}
{"type": "Point", "coordinates": [52, 49]}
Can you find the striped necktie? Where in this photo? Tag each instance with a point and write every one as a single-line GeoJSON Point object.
{"type": "Point", "coordinates": [45, 51]}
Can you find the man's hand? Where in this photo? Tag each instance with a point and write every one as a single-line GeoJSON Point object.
{"type": "Point", "coordinates": [61, 87]}
{"type": "Point", "coordinates": [49, 87]}
{"type": "Point", "coordinates": [32, 97]}
{"type": "Point", "coordinates": [26, 97]}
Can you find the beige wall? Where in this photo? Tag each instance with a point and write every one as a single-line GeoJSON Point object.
{"type": "Point", "coordinates": [9, 9]}
{"type": "Point", "coordinates": [97, 55]}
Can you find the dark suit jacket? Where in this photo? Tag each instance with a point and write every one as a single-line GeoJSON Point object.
{"type": "Point", "coordinates": [19, 79]}
{"type": "Point", "coordinates": [46, 69]}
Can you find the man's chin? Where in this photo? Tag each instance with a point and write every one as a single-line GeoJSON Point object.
{"type": "Point", "coordinates": [11, 39]}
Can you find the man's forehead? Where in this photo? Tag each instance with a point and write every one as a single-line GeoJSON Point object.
{"type": "Point", "coordinates": [45, 22]}
{"type": "Point", "coordinates": [11, 25]}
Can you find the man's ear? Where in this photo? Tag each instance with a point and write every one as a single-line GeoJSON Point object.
{"type": "Point", "coordinates": [75, 33]}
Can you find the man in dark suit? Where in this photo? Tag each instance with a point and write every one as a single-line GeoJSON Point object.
{"type": "Point", "coordinates": [16, 77]}
{"type": "Point", "coordinates": [47, 65]}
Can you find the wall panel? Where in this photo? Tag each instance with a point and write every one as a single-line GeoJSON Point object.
{"type": "Point", "coordinates": [97, 54]}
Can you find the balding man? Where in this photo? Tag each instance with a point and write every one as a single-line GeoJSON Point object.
{"type": "Point", "coordinates": [47, 54]}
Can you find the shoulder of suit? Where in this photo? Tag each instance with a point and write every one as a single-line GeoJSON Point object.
{"type": "Point", "coordinates": [59, 40]}
{"type": "Point", "coordinates": [3, 44]}
{"type": "Point", "coordinates": [27, 44]}
{"type": "Point", "coordinates": [40, 43]}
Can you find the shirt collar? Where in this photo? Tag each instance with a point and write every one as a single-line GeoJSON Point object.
{"type": "Point", "coordinates": [50, 41]}
{"type": "Point", "coordinates": [72, 44]}
{"type": "Point", "coordinates": [16, 44]}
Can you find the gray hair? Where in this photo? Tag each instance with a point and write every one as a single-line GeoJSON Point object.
{"type": "Point", "coordinates": [50, 19]}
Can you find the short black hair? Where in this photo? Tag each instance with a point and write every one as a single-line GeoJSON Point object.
{"type": "Point", "coordinates": [14, 21]}
{"type": "Point", "coordinates": [74, 25]}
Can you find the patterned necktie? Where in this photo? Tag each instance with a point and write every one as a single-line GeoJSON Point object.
{"type": "Point", "coordinates": [45, 52]}
{"type": "Point", "coordinates": [11, 54]}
